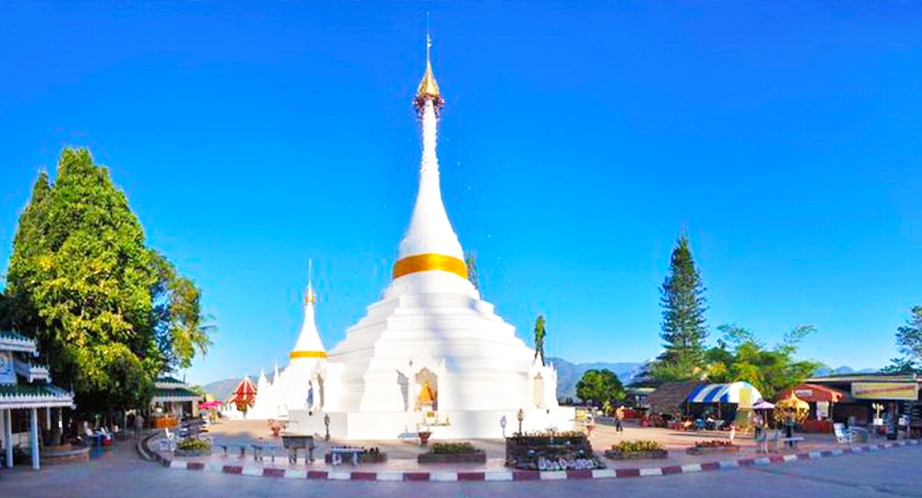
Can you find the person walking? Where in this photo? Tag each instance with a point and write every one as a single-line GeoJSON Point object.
{"type": "Point", "coordinates": [619, 419]}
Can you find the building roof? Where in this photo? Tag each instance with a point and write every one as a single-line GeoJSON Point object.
{"type": "Point", "coordinates": [864, 377]}
{"type": "Point", "coordinates": [174, 395]}
{"type": "Point", "coordinates": [14, 341]}
{"type": "Point", "coordinates": [34, 396]}
{"type": "Point", "coordinates": [670, 396]}
{"type": "Point", "coordinates": [814, 393]}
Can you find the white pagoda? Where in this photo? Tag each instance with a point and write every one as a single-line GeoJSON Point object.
{"type": "Point", "coordinates": [431, 355]}
{"type": "Point", "coordinates": [300, 384]}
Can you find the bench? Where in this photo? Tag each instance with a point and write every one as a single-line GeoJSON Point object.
{"type": "Point", "coordinates": [294, 442]}
{"type": "Point", "coordinates": [792, 441]}
{"type": "Point", "coordinates": [242, 448]}
{"type": "Point", "coordinates": [336, 455]}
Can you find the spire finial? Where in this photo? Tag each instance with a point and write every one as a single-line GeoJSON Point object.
{"type": "Point", "coordinates": [428, 88]}
{"type": "Point", "coordinates": [310, 298]}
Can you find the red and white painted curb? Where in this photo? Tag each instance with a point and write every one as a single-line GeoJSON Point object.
{"type": "Point", "coordinates": [520, 475]}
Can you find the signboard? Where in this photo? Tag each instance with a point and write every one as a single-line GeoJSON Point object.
{"type": "Point", "coordinates": [7, 373]}
{"type": "Point", "coordinates": [745, 398]}
{"type": "Point", "coordinates": [885, 390]}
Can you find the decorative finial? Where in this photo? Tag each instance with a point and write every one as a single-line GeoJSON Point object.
{"type": "Point", "coordinates": [428, 88]}
{"type": "Point", "coordinates": [310, 298]}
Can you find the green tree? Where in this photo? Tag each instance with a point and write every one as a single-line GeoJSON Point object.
{"type": "Point", "coordinates": [109, 313]}
{"type": "Point", "coordinates": [909, 336]}
{"type": "Point", "coordinates": [540, 334]}
{"type": "Point", "coordinates": [740, 356]}
{"type": "Point", "coordinates": [598, 387]}
{"type": "Point", "coordinates": [683, 328]}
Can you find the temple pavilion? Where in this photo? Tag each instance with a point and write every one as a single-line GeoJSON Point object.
{"type": "Point", "coordinates": [26, 393]}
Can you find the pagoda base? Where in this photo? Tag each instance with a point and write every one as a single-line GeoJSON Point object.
{"type": "Point", "coordinates": [485, 424]}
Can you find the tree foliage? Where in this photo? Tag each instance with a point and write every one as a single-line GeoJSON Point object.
{"type": "Point", "coordinates": [909, 336]}
{"type": "Point", "coordinates": [740, 356]}
{"type": "Point", "coordinates": [683, 328]}
{"type": "Point", "coordinates": [109, 313]}
{"type": "Point", "coordinates": [597, 387]}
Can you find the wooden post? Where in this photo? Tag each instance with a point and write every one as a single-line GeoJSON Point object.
{"type": "Point", "coordinates": [8, 436]}
{"type": "Point", "coordinates": [33, 436]}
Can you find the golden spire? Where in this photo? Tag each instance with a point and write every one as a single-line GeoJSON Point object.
{"type": "Point", "coordinates": [428, 88]}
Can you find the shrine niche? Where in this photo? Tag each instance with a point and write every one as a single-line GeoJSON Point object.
{"type": "Point", "coordinates": [538, 391]}
{"type": "Point", "coordinates": [428, 397]}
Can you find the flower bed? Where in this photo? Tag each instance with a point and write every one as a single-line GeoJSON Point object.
{"type": "Point", "coordinates": [713, 446]}
{"type": "Point", "coordinates": [551, 451]}
{"type": "Point", "coordinates": [192, 448]}
{"type": "Point", "coordinates": [453, 453]}
{"type": "Point", "coordinates": [636, 450]}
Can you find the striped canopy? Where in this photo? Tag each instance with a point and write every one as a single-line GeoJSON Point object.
{"type": "Point", "coordinates": [722, 393]}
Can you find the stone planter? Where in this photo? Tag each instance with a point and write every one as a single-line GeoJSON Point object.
{"type": "Point", "coordinates": [64, 454]}
{"type": "Point", "coordinates": [363, 458]}
{"type": "Point", "coordinates": [636, 455]}
{"type": "Point", "coordinates": [475, 457]}
{"type": "Point", "coordinates": [192, 453]}
{"type": "Point", "coordinates": [712, 450]}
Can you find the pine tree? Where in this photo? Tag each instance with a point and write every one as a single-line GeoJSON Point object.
{"type": "Point", "coordinates": [683, 328]}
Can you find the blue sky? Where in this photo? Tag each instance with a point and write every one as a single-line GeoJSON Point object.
{"type": "Point", "coordinates": [578, 141]}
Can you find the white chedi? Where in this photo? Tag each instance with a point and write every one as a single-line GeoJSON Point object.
{"type": "Point", "coordinates": [298, 385]}
{"type": "Point", "coordinates": [431, 355]}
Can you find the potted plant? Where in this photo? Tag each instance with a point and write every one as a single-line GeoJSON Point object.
{"type": "Point", "coordinates": [424, 437]}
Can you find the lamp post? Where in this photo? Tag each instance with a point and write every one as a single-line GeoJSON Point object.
{"type": "Point", "coordinates": [520, 417]}
{"type": "Point", "coordinates": [326, 422]}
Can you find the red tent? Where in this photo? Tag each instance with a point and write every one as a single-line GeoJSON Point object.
{"type": "Point", "coordinates": [813, 393]}
{"type": "Point", "coordinates": [244, 394]}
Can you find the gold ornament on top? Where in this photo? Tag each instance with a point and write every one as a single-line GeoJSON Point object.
{"type": "Point", "coordinates": [428, 88]}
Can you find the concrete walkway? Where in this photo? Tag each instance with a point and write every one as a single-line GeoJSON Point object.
{"type": "Point", "coordinates": [402, 464]}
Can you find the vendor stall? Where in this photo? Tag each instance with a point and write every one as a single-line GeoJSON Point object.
{"type": "Point", "coordinates": [821, 401]}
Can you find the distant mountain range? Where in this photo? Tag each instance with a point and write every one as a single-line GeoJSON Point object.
{"type": "Point", "coordinates": [568, 374]}
{"type": "Point", "coordinates": [820, 372]}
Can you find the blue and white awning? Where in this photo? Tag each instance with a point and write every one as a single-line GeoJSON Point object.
{"type": "Point", "coordinates": [723, 393]}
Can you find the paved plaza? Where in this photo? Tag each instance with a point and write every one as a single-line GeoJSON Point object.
{"type": "Point", "coordinates": [121, 473]}
{"type": "Point", "coordinates": [892, 472]}
{"type": "Point", "coordinates": [402, 454]}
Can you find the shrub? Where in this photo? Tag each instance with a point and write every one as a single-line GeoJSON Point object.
{"type": "Point", "coordinates": [193, 445]}
{"type": "Point", "coordinates": [453, 448]}
{"type": "Point", "coordinates": [637, 446]}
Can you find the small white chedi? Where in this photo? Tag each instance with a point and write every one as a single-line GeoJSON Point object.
{"type": "Point", "coordinates": [430, 356]}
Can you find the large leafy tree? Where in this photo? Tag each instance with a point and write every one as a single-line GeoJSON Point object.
{"type": "Point", "coordinates": [109, 313]}
{"type": "Point", "coordinates": [741, 356]}
{"type": "Point", "coordinates": [598, 387]}
{"type": "Point", "coordinates": [683, 328]}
